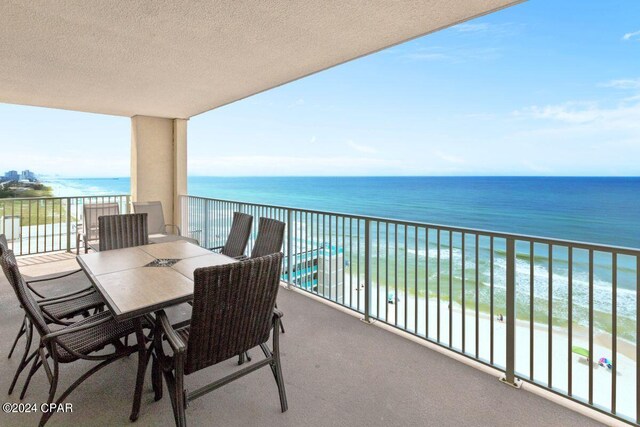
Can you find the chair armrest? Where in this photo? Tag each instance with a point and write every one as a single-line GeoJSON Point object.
{"type": "Point", "coordinates": [217, 248]}
{"type": "Point", "coordinates": [174, 226]}
{"type": "Point", "coordinates": [174, 340]}
{"type": "Point", "coordinates": [71, 330]}
{"type": "Point", "coordinates": [54, 277]}
{"type": "Point", "coordinates": [241, 257]}
{"type": "Point", "coordinates": [277, 314]}
{"type": "Point", "coordinates": [64, 298]}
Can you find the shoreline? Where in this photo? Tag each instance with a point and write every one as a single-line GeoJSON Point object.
{"type": "Point", "coordinates": [560, 355]}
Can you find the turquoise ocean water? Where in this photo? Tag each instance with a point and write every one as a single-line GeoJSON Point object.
{"type": "Point", "coordinates": [598, 210]}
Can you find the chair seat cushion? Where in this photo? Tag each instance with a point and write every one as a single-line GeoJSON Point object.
{"type": "Point", "coordinates": [74, 307]}
{"type": "Point", "coordinates": [93, 339]}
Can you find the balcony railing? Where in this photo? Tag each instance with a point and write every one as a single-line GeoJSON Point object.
{"type": "Point", "coordinates": [556, 313]}
{"type": "Point", "coordinates": [47, 224]}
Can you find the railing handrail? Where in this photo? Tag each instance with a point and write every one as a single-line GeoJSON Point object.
{"type": "Point", "coordinates": [47, 223]}
{"type": "Point", "coordinates": [600, 247]}
{"type": "Point", "coordinates": [61, 197]}
{"type": "Point", "coordinates": [402, 283]}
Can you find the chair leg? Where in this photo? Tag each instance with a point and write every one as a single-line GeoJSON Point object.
{"type": "Point", "coordinates": [277, 368]}
{"type": "Point", "coordinates": [79, 381]}
{"type": "Point", "coordinates": [181, 404]}
{"type": "Point", "coordinates": [20, 370]}
{"type": "Point", "coordinates": [242, 357]}
{"type": "Point", "coordinates": [34, 368]}
{"type": "Point", "coordinates": [26, 358]}
{"type": "Point", "coordinates": [280, 382]}
{"type": "Point", "coordinates": [176, 394]}
{"type": "Point", "coordinates": [156, 379]}
{"type": "Point", "coordinates": [52, 393]}
{"type": "Point", "coordinates": [171, 386]}
{"type": "Point", "coordinates": [156, 367]}
{"type": "Point", "coordinates": [23, 330]}
{"type": "Point", "coordinates": [142, 369]}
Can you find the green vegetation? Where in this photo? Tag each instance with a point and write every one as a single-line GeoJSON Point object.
{"type": "Point", "coordinates": [19, 190]}
{"type": "Point", "coordinates": [31, 211]}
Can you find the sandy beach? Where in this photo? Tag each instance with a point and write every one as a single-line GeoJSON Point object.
{"type": "Point", "coordinates": [602, 376]}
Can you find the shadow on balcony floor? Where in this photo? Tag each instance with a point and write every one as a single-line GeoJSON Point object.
{"type": "Point", "coordinates": [337, 370]}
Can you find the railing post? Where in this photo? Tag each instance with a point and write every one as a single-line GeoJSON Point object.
{"type": "Point", "coordinates": [509, 374]}
{"type": "Point", "coordinates": [68, 224]}
{"type": "Point", "coordinates": [207, 212]}
{"type": "Point", "coordinates": [367, 269]}
{"type": "Point", "coordinates": [289, 247]}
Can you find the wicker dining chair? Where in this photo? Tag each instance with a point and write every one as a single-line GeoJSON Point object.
{"type": "Point", "coordinates": [57, 310]}
{"type": "Point", "coordinates": [238, 237]}
{"type": "Point", "coordinates": [77, 341]}
{"type": "Point", "coordinates": [270, 237]}
{"type": "Point", "coordinates": [122, 231]}
{"type": "Point", "coordinates": [269, 241]}
{"type": "Point", "coordinates": [155, 218]}
{"type": "Point", "coordinates": [91, 213]}
{"type": "Point", "coordinates": [233, 311]}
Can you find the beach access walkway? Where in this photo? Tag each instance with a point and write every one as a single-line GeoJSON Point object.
{"type": "Point", "coordinates": [337, 370]}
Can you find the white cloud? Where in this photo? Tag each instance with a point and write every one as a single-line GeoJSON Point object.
{"type": "Point", "coordinates": [569, 112]}
{"type": "Point", "coordinates": [449, 157]}
{"type": "Point", "coordinates": [454, 55]}
{"type": "Point", "coordinates": [297, 103]}
{"type": "Point", "coordinates": [468, 27]}
{"type": "Point", "coordinates": [621, 116]}
{"type": "Point", "coordinates": [624, 84]}
{"type": "Point", "coordinates": [426, 56]}
{"type": "Point", "coordinates": [361, 148]}
{"type": "Point", "coordinates": [631, 36]}
{"type": "Point", "coordinates": [292, 165]}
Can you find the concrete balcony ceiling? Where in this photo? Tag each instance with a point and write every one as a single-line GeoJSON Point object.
{"type": "Point", "coordinates": [178, 58]}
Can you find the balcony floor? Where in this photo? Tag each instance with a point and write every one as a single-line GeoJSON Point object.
{"type": "Point", "coordinates": [337, 370]}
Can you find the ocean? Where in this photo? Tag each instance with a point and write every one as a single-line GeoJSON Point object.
{"type": "Point", "coordinates": [590, 209]}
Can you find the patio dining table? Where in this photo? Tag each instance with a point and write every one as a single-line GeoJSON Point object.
{"type": "Point", "coordinates": [143, 279]}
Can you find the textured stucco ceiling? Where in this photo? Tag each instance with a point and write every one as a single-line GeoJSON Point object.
{"type": "Point", "coordinates": [183, 57]}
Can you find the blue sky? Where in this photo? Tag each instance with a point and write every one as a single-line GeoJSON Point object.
{"type": "Point", "coordinates": [542, 88]}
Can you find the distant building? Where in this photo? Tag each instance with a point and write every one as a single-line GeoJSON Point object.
{"type": "Point", "coordinates": [27, 175]}
{"type": "Point", "coordinates": [320, 270]}
{"type": "Point", "coordinates": [12, 176]}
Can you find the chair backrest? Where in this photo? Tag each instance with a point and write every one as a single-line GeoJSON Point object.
{"type": "Point", "coordinates": [155, 218]}
{"type": "Point", "coordinates": [123, 231]}
{"type": "Point", "coordinates": [232, 309]}
{"type": "Point", "coordinates": [27, 301]}
{"type": "Point", "coordinates": [270, 237]}
{"type": "Point", "coordinates": [239, 235]}
{"type": "Point", "coordinates": [3, 242]}
{"type": "Point", "coordinates": [93, 211]}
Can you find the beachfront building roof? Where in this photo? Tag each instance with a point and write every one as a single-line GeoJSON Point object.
{"type": "Point", "coordinates": [165, 61]}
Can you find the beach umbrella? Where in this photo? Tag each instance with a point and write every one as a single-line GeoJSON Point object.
{"type": "Point", "coordinates": [605, 362]}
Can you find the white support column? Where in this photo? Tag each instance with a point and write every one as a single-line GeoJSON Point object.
{"type": "Point", "coordinates": [180, 167]}
{"type": "Point", "coordinates": [159, 162]}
